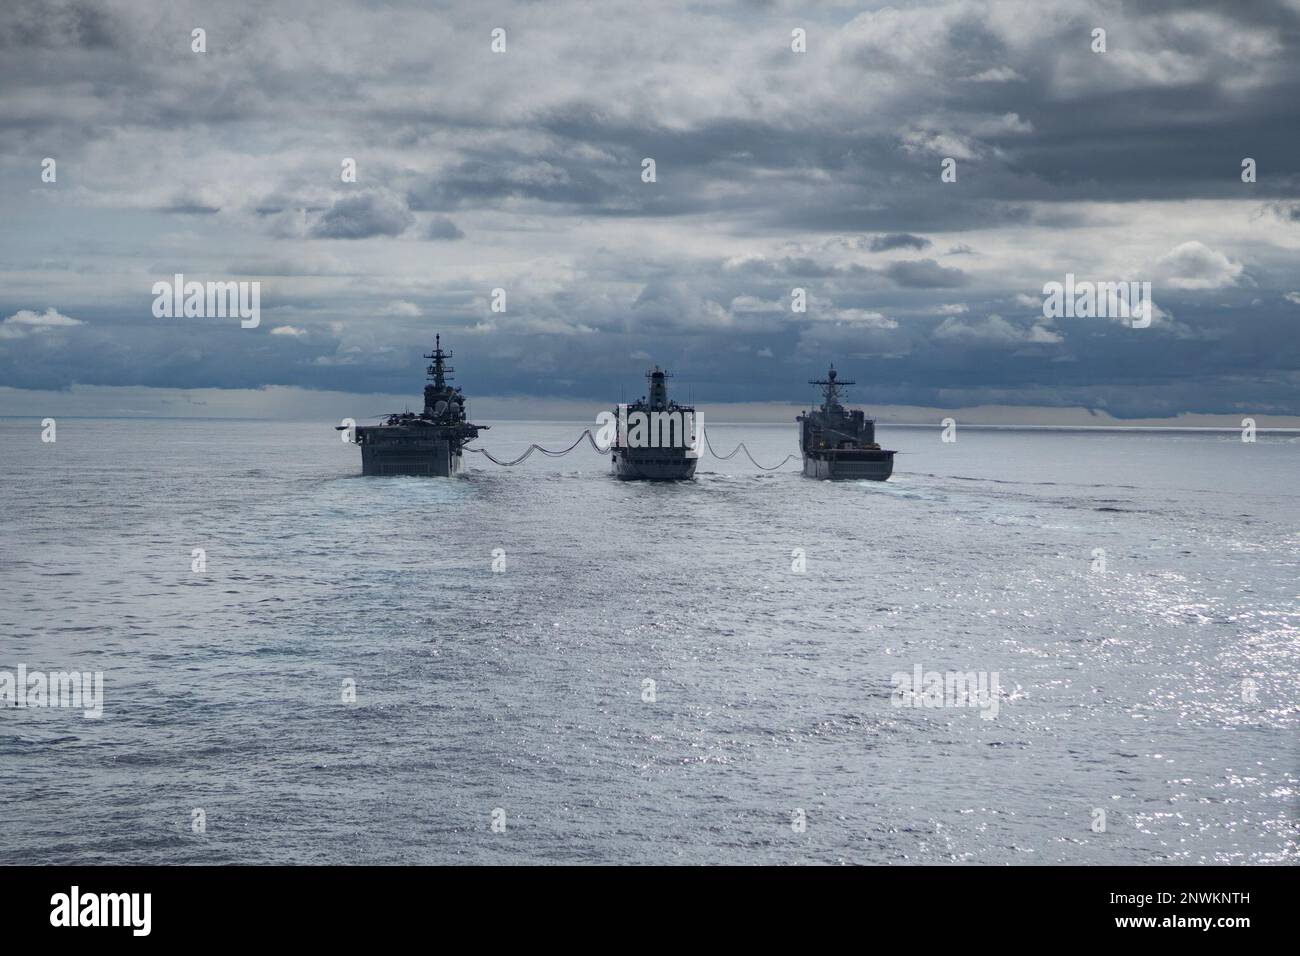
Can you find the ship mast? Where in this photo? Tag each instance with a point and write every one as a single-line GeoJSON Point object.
{"type": "Point", "coordinates": [439, 369]}
{"type": "Point", "coordinates": [830, 386]}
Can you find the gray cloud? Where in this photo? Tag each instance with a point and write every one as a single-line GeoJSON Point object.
{"type": "Point", "coordinates": [924, 274]}
{"type": "Point", "coordinates": [363, 216]}
{"type": "Point", "coordinates": [898, 240]}
{"type": "Point", "coordinates": [440, 227]}
{"type": "Point", "coordinates": [775, 171]}
{"type": "Point", "coordinates": [82, 24]}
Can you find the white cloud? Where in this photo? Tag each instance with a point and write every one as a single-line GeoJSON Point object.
{"type": "Point", "coordinates": [1045, 336]}
{"type": "Point", "coordinates": [997, 74]}
{"type": "Point", "coordinates": [289, 330]}
{"type": "Point", "coordinates": [400, 307]}
{"type": "Point", "coordinates": [1194, 265]}
{"type": "Point", "coordinates": [50, 317]}
{"type": "Point", "coordinates": [992, 329]}
{"type": "Point", "coordinates": [749, 303]}
{"type": "Point", "coordinates": [1003, 125]}
{"type": "Point", "coordinates": [25, 320]}
{"type": "Point", "coordinates": [939, 144]}
{"type": "Point", "coordinates": [875, 320]}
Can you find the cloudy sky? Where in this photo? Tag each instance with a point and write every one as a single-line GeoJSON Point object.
{"type": "Point", "coordinates": [775, 170]}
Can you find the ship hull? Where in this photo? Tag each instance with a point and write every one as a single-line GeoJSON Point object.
{"type": "Point", "coordinates": [651, 464]}
{"type": "Point", "coordinates": [423, 456]}
{"type": "Point", "coordinates": [849, 465]}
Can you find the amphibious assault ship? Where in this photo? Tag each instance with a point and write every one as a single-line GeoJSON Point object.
{"type": "Point", "coordinates": [838, 443]}
{"type": "Point", "coordinates": [654, 436]}
{"type": "Point", "coordinates": [429, 443]}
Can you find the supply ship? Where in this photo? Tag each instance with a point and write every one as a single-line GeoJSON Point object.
{"type": "Point", "coordinates": [838, 443]}
{"type": "Point", "coordinates": [655, 436]}
{"type": "Point", "coordinates": [428, 443]}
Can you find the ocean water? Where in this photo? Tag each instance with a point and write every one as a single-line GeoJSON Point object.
{"type": "Point", "coordinates": [1162, 690]}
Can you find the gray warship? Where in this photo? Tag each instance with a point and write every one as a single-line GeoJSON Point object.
{"type": "Point", "coordinates": [840, 444]}
{"type": "Point", "coordinates": [429, 443]}
{"type": "Point", "coordinates": [657, 446]}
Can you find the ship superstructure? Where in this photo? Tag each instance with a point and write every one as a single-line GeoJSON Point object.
{"type": "Point", "coordinates": [656, 436]}
{"type": "Point", "coordinates": [427, 443]}
{"type": "Point", "coordinates": [838, 443]}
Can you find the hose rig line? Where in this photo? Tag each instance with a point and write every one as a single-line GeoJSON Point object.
{"type": "Point", "coordinates": [741, 447]}
{"type": "Point", "coordinates": [591, 440]}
